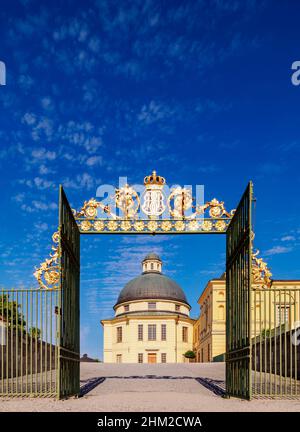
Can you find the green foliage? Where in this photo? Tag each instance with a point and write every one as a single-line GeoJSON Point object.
{"type": "Point", "coordinates": [10, 311]}
{"type": "Point", "coordinates": [265, 332]}
{"type": "Point", "coordinates": [190, 355]}
{"type": "Point", "coordinates": [35, 333]}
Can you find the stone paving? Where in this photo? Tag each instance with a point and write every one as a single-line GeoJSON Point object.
{"type": "Point", "coordinates": [143, 387]}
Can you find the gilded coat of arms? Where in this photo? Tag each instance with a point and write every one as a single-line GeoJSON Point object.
{"type": "Point", "coordinates": [153, 197]}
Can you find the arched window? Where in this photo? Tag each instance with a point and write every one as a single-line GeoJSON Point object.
{"type": "Point", "coordinates": [152, 266]}
{"type": "Point", "coordinates": [221, 312]}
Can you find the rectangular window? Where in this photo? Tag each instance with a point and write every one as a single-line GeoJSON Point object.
{"type": "Point", "coordinates": [151, 332]}
{"type": "Point", "coordinates": [151, 305]}
{"type": "Point", "coordinates": [140, 332]}
{"type": "Point", "coordinates": [184, 334]}
{"type": "Point", "coordinates": [164, 332]}
{"type": "Point", "coordinates": [119, 334]}
{"type": "Point", "coordinates": [126, 308]}
{"type": "Point", "coordinates": [119, 358]}
{"type": "Point", "coordinates": [140, 357]}
{"type": "Point", "coordinates": [283, 314]}
{"type": "Point", "coordinates": [177, 308]}
{"type": "Point", "coordinates": [163, 357]}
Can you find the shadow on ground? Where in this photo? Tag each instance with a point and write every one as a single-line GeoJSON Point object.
{"type": "Point", "coordinates": [89, 384]}
{"type": "Point", "coordinates": [215, 386]}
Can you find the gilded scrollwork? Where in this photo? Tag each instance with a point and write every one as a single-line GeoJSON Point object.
{"type": "Point", "coordinates": [260, 272]}
{"type": "Point", "coordinates": [90, 208]}
{"type": "Point", "coordinates": [216, 209]}
{"type": "Point", "coordinates": [180, 201]}
{"type": "Point", "coordinates": [128, 201]}
{"type": "Point", "coordinates": [127, 207]}
{"type": "Point", "coordinates": [48, 273]}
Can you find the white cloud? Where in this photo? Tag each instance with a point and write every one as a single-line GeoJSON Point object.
{"type": "Point", "coordinates": [43, 170]}
{"type": "Point", "coordinates": [82, 134]}
{"type": "Point", "coordinates": [41, 226]}
{"type": "Point", "coordinates": [288, 238]}
{"type": "Point", "coordinates": [25, 82]}
{"type": "Point", "coordinates": [154, 112]}
{"type": "Point", "coordinates": [19, 197]}
{"type": "Point", "coordinates": [94, 160]}
{"type": "Point", "coordinates": [29, 119]}
{"type": "Point", "coordinates": [39, 205]}
{"type": "Point", "coordinates": [276, 250]}
{"type": "Point", "coordinates": [42, 154]}
{"type": "Point", "coordinates": [81, 181]}
{"type": "Point", "coordinates": [94, 44]}
{"type": "Point", "coordinates": [41, 183]}
{"type": "Point", "coordinates": [47, 103]}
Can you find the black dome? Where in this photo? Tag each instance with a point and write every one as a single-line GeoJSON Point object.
{"type": "Point", "coordinates": [151, 286]}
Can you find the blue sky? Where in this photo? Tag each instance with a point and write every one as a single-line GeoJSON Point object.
{"type": "Point", "coordinates": [199, 90]}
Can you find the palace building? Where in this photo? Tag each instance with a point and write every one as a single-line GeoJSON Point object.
{"type": "Point", "coordinates": [275, 311]}
{"type": "Point", "coordinates": [151, 322]}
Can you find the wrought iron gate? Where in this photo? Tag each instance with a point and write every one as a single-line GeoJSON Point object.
{"type": "Point", "coordinates": [28, 342]}
{"type": "Point", "coordinates": [69, 346]}
{"type": "Point", "coordinates": [238, 299]}
{"type": "Point", "coordinates": [39, 329]}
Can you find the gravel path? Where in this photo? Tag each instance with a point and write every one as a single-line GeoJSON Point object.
{"type": "Point", "coordinates": [143, 387]}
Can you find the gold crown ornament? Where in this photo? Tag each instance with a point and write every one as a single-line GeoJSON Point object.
{"type": "Point", "coordinates": [154, 179]}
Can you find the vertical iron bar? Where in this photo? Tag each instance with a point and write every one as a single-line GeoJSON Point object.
{"type": "Point", "coordinates": [265, 344]}
{"type": "Point", "coordinates": [22, 337]}
{"type": "Point", "coordinates": [31, 342]}
{"type": "Point", "coordinates": [270, 341]}
{"type": "Point", "coordinates": [255, 342]}
{"type": "Point", "coordinates": [36, 344]}
{"type": "Point", "coordinates": [296, 318]}
{"type": "Point", "coordinates": [51, 341]}
{"type": "Point", "coordinates": [7, 343]}
{"type": "Point", "coordinates": [12, 344]}
{"type": "Point", "coordinates": [260, 344]}
{"type": "Point", "coordinates": [275, 343]}
{"type": "Point", "coordinates": [3, 325]}
{"type": "Point", "coordinates": [26, 342]}
{"type": "Point", "coordinates": [290, 340]}
{"type": "Point", "coordinates": [41, 378]}
{"type": "Point", "coordinates": [285, 345]}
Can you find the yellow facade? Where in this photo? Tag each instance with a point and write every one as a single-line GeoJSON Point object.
{"type": "Point", "coordinates": [167, 348]}
{"type": "Point", "coordinates": [148, 329]}
{"type": "Point", "coordinates": [209, 329]}
{"type": "Point", "coordinates": [152, 322]}
{"type": "Point", "coordinates": [271, 308]}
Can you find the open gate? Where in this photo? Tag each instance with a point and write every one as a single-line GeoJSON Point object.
{"type": "Point", "coordinates": [69, 340]}
{"type": "Point", "coordinates": [238, 299]}
{"type": "Point", "coordinates": [40, 328]}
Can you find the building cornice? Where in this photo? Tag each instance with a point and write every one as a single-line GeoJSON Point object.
{"type": "Point", "coordinates": [151, 299]}
{"type": "Point", "coordinates": [147, 317]}
{"type": "Point", "coordinates": [159, 311]}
